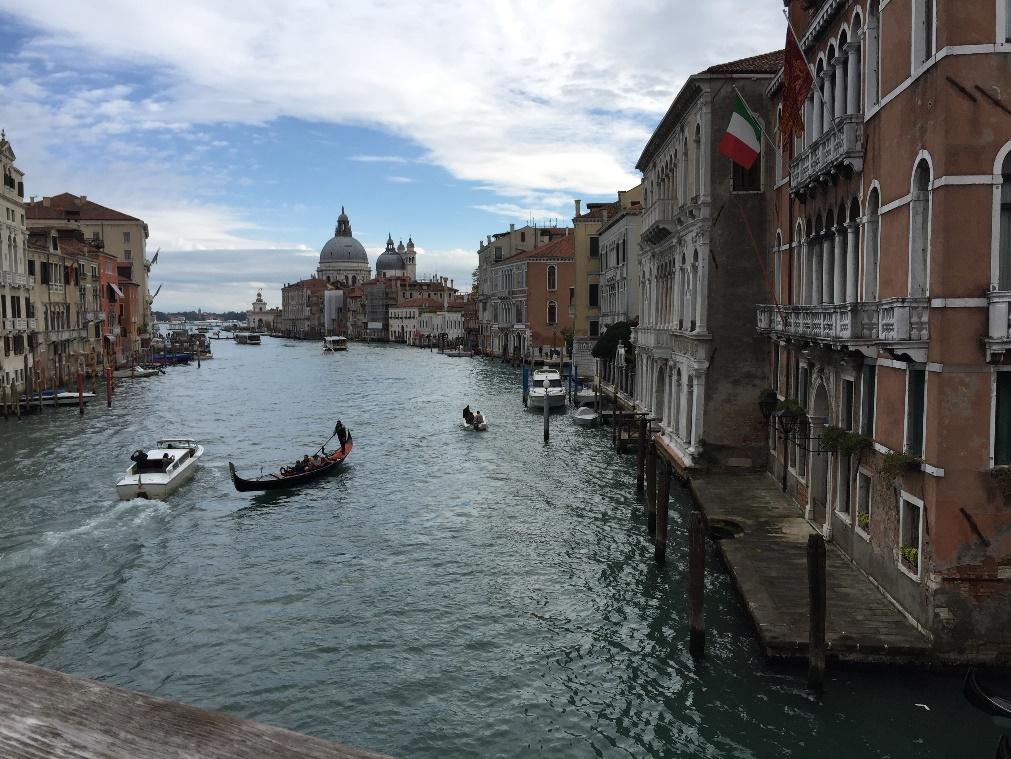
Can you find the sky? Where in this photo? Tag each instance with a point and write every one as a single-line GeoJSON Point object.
{"type": "Point", "coordinates": [238, 130]}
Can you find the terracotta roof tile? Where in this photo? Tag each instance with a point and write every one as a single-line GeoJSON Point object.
{"type": "Point", "coordinates": [419, 303]}
{"type": "Point", "coordinates": [766, 63]}
{"type": "Point", "coordinates": [563, 247]}
{"type": "Point", "coordinates": [597, 213]}
{"type": "Point", "coordinates": [88, 210]}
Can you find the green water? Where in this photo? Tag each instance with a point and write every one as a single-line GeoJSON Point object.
{"type": "Point", "coordinates": [449, 594]}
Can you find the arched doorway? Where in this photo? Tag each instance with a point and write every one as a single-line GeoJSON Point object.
{"type": "Point", "coordinates": [660, 394]}
{"type": "Point", "coordinates": [818, 484]}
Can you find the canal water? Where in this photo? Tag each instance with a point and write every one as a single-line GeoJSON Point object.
{"type": "Point", "coordinates": [449, 594]}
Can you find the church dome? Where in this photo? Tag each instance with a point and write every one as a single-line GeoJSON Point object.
{"type": "Point", "coordinates": [342, 247]}
{"type": "Point", "coordinates": [390, 260]}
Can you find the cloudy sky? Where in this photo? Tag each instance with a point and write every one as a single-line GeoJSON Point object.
{"type": "Point", "coordinates": [238, 129]}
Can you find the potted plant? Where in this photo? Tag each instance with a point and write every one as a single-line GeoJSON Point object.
{"type": "Point", "coordinates": [894, 465]}
{"type": "Point", "coordinates": [864, 521]}
{"type": "Point", "coordinates": [911, 558]}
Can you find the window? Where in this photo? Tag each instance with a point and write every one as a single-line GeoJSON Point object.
{"type": "Point", "coordinates": [775, 367]}
{"type": "Point", "coordinates": [1004, 249]}
{"type": "Point", "coordinates": [594, 295]}
{"type": "Point", "coordinates": [1002, 420]}
{"type": "Point", "coordinates": [923, 31]}
{"type": "Point", "coordinates": [863, 516]}
{"type": "Point", "coordinates": [552, 312]}
{"type": "Point", "coordinates": [843, 503]}
{"type": "Point", "coordinates": [498, 252]}
{"type": "Point", "coordinates": [872, 231]}
{"type": "Point", "coordinates": [552, 278]}
{"type": "Point", "coordinates": [698, 160]}
{"type": "Point", "coordinates": [747, 180]}
{"type": "Point", "coordinates": [916, 386]}
{"type": "Point", "coordinates": [126, 238]}
{"type": "Point", "coordinates": [594, 246]}
{"type": "Point", "coordinates": [572, 294]}
{"type": "Point", "coordinates": [919, 230]}
{"type": "Point", "coordinates": [594, 328]}
{"type": "Point", "coordinates": [873, 63]}
{"type": "Point", "coordinates": [777, 268]}
{"type": "Point", "coordinates": [31, 267]}
{"type": "Point", "coordinates": [127, 254]}
{"type": "Point", "coordinates": [911, 534]}
{"type": "Point", "coordinates": [846, 418]}
{"type": "Point", "coordinates": [523, 236]}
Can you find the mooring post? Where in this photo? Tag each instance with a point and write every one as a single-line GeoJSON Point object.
{"type": "Point", "coordinates": [662, 510]}
{"type": "Point", "coordinates": [640, 459]}
{"type": "Point", "coordinates": [3, 398]}
{"type": "Point", "coordinates": [108, 387]}
{"type": "Point", "coordinates": [696, 584]}
{"type": "Point", "coordinates": [80, 386]}
{"type": "Point", "coordinates": [526, 382]}
{"type": "Point", "coordinates": [547, 409]}
{"type": "Point", "coordinates": [651, 487]}
{"type": "Point", "coordinates": [816, 594]}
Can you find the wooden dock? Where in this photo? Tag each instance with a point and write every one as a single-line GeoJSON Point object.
{"type": "Point", "coordinates": [769, 564]}
{"type": "Point", "coordinates": [49, 714]}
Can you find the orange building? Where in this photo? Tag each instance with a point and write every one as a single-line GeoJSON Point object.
{"type": "Point", "coordinates": [891, 255]}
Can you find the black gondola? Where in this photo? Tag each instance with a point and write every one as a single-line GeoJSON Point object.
{"type": "Point", "coordinates": [277, 481]}
{"type": "Point", "coordinates": [997, 705]}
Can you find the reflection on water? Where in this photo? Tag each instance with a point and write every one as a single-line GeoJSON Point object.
{"type": "Point", "coordinates": [446, 594]}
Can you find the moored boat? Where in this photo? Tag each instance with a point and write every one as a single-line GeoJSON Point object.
{"type": "Point", "coordinates": [247, 338]}
{"type": "Point", "coordinates": [988, 699]}
{"type": "Point", "coordinates": [287, 477]}
{"type": "Point", "coordinates": [57, 398]}
{"type": "Point", "coordinates": [136, 372]}
{"type": "Point", "coordinates": [553, 394]}
{"type": "Point", "coordinates": [158, 472]}
{"type": "Point", "coordinates": [585, 416]}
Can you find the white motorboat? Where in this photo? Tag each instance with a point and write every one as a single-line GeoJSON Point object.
{"type": "Point", "coordinates": [554, 393]}
{"type": "Point", "coordinates": [481, 426]}
{"type": "Point", "coordinates": [458, 353]}
{"type": "Point", "coordinates": [247, 338]}
{"type": "Point", "coordinates": [585, 416]}
{"type": "Point", "coordinates": [54, 398]}
{"type": "Point", "coordinates": [160, 471]}
{"type": "Point", "coordinates": [135, 372]}
{"type": "Point", "coordinates": [584, 396]}
{"type": "Point", "coordinates": [334, 343]}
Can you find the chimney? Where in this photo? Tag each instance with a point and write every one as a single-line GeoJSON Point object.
{"type": "Point", "coordinates": [605, 216]}
{"type": "Point", "coordinates": [84, 199]}
{"type": "Point", "coordinates": [489, 239]}
{"type": "Point", "coordinates": [32, 199]}
{"type": "Point", "coordinates": [578, 204]}
{"type": "Point", "coordinates": [567, 231]}
{"type": "Point", "coordinates": [512, 227]}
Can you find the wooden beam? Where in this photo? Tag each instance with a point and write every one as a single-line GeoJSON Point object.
{"type": "Point", "coordinates": [48, 713]}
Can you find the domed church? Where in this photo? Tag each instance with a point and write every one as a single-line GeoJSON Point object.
{"type": "Point", "coordinates": [391, 262]}
{"type": "Point", "coordinates": [343, 258]}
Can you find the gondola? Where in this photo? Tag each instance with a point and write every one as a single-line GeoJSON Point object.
{"type": "Point", "coordinates": [997, 705]}
{"type": "Point", "coordinates": [277, 481]}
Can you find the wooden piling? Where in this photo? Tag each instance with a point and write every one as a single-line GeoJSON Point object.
{"type": "Point", "coordinates": [80, 386]}
{"type": "Point", "coordinates": [3, 398]}
{"type": "Point", "coordinates": [547, 411]}
{"type": "Point", "coordinates": [108, 387]}
{"type": "Point", "coordinates": [696, 584]}
{"type": "Point", "coordinates": [816, 594]}
{"type": "Point", "coordinates": [640, 459]}
{"type": "Point", "coordinates": [662, 511]}
{"type": "Point", "coordinates": [651, 487]}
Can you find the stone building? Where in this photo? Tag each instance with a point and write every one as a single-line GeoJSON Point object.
{"type": "Point", "coordinates": [619, 266]}
{"type": "Point", "coordinates": [343, 259]}
{"type": "Point", "coordinates": [302, 308]}
{"type": "Point", "coordinates": [891, 256]}
{"type": "Point", "coordinates": [261, 318]}
{"type": "Point", "coordinates": [16, 324]}
{"type": "Point", "coordinates": [700, 280]}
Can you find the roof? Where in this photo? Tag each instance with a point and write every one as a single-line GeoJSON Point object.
{"type": "Point", "coordinates": [599, 210]}
{"type": "Point", "coordinates": [312, 283]}
{"type": "Point", "coordinates": [419, 303]}
{"type": "Point", "coordinates": [87, 210]}
{"type": "Point", "coordinates": [563, 247]}
{"type": "Point", "coordinates": [766, 63]}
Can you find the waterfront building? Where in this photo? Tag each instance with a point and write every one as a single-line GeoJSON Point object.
{"type": "Point", "coordinates": [699, 281]}
{"type": "Point", "coordinates": [535, 315]}
{"type": "Point", "coordinates": [302, 308]}
{"type": "Point", "coordinates": [121, 235]}
{"type": "Point", "coordinates": [497, 298]}
{"type": "Point", "coordinates": [471, 322]}
{"type": "Point", "coordinates": [443, 323]}
{"type": "Point", "coordinates": [335, 316]}
{"type": "Point", "coordinates": [343, 259]}
{"type": "Point", "coordinates": [619, 265]}
{"type": "Point", "coordinates": [261, 318]}
{"type": "Point", "coordinates": [15, 282]}
{"type": "Point", "coordinates": [405, 320]}
{"type": "Point", "coordinates": [891, 257]}
{"type": "Point", "coordinates": [355, 308]}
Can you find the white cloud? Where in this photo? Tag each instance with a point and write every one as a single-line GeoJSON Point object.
{"type": "Point", "coordinates": [378, 158]}
{"type": "Point", "coordinates": [401, 180]}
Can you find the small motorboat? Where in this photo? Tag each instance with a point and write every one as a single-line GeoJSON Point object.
{"type": "Point", "coordinates": [287, 478]}
{"type": "Point", "coordinates": [57, 398]}
{"type": "Point", "coordinates": [481, 426]}
{"type": "Point", "coordinates": [583, 396]}
{"type": "Point", "coordinates": [160, 471]}
{"type": "Point", "coordinates": [136, 372]}
{"type": "Point", "coordinates": [553, 394]}
{"type": "Point", "coordinates": [585, 416]}
{"type": "Point", "coordinates": [171, 359]}
{"type": "Point", "coordinates": [458, 353]}
{"type": "Point", "coordinates": [247, 338]}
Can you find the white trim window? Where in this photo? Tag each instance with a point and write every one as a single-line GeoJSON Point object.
{"type": "Point", "coordinates": [1003, 236]}
{"type": "Point", "coordinates": [919, 230]}
{"type": "Point", "coordinates": [924, 32]}
{"type": "Point", "coordinates": [1003, 21]}
{"type": "Point", "coordinates": [916, 400]}
{"type": "Point", "coordinates": [552, 277]}
{"type": "Point", "coordinates": [872, 243]}
{"type": "Point", "coordinates": [552, 314]}
{"type": "Point", "coordinates": [910, 535]}
{"type": "Point", "coordinates": [863, 505]}
{"type": "Point", "coordinates": [872, 65]}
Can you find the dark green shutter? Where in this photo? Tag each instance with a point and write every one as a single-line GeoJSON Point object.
{"type": "Point", "coordinates": [1002, 421]}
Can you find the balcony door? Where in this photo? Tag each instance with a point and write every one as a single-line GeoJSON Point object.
{"type": "Point", "coordinates": [818, 491]}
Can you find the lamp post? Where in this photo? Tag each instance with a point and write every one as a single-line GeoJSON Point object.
{"type": "Point", "coordinates": [547, 410]}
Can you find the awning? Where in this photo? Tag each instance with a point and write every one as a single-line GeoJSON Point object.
{"type": "Point", "coordinates": [110, 338]}
{"type": "Point", "coordinates": [116, 289]}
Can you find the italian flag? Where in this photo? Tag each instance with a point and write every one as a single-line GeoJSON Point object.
{"type": "Point", "coordinates": [743, 141]}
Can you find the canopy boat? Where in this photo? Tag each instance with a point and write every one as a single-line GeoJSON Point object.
{"type": "Point", "coordinates": [56, 398]}
{"type": "Point", "coordinates": [553, 394]}
{"type": "Point", "coordinates": [160, 471]}
{"type": "Point", "coordinates": [286, 478]}
{"type": "Point", "coordinates": [334, 343]}
{"type": "Point", "coordinates": [585, 416]}
{"type": "Point", "coordinates": [169, 359]}
{"type": "Point", "coordinates": [247, 338]}
{"type": "Point", "coordinates": [458, 353]}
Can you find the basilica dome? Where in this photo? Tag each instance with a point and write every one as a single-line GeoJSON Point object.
{"type": "Point", "coordinates": [391, 263]}
{"type": "Point", "coordinates": [342, 247]}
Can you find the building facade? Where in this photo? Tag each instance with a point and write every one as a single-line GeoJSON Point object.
{"type": "Point", "coordinates": [302, 308]}
{"type": "Point", "coordinates": [891, 249]}
{"type": "Point", "coordinates": [700, 280]}
{"type": "Point", "coordinates": [16, 359]}
{"type": "Point", "coordinates": [619, 266]}
{"type": "Point", "coordinates": [343, 259]}
{"type": "Point", "coordinates": [261, 318]}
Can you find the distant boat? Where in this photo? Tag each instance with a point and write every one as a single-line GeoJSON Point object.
{"type": "Point", "coordinates": [136, 372]}
{"type": "Point", "coordinates": [247, 338]}
{"type": "Point", "coordinates": [585, 416]}
{"type": "Point", "coordinates": [458, 353]}
{"type": "Point", "coordinates": [56, 398]}
{"type": "Point", "coordinates": [160, 471]}
{"type": "Point", "coordinates": [335, 343]}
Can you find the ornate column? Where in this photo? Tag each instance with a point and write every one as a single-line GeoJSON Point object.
{"type": "Point", "coordinates": [852, 260]}
{"type": "Point", "coordinates": [839, 277]}
{"type": "Point", "coordinates": [830, 467]}
{"type": "Point", "coordinates": [826, 100]}
{"type": "Point", "coordinates": [699, 398]}
{"type": "Point", "coordinates": [840, 84]}
{"type": "Point", "coordinates": [817, 111]}
{"type": "Point", "coordinates": [853, 76]}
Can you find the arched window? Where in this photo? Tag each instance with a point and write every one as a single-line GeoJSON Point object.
{"type": "Point", "coordinates": [552, 312]}
{"type": "Point", "coordinates": [684, 172]}
{"type": "Point", "coordinates": [693, 303]}
{"type": "Point", "coordinates": [872, 75]}
{"type": "Point", "coordinates": [690, 411]}
{"type": "Point", "coordinates": [777, 268]}
{"type": "Point", "coordinates": [676, 416]}
{"type": "Point", "coordinates": [698, 160]}
{"type": "Point", "coordinates": [1004, 236]}
{"type": "Point", "coordinates": [919, 230]}
{"type": "Point", "coordinates": [924, 31]}
{"type": "Point", "coordinates": [552, 278]}
{"type": "Point", "coordinates": [872, 243]}
{"type": "Point", "coordinates": [674, 176]}
{"type": "Point", "coordinates": [779, 149]}
{"type": "Point", "coordinates": [797, 264]}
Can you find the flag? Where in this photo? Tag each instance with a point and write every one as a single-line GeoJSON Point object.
{"type": "Point", "coordinates": [796, 84]}
{"type": "Point", "coordinates": [743, 141]}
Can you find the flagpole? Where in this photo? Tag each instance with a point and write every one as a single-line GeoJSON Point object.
{"type": "Point", "coordinates": [810, 68]}
{"type": "Point", "coordinates": [755, 117]}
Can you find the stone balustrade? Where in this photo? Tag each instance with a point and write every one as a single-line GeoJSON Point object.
{"type": "Point", "coordinates": [825, 157]}
{"type": "Point", "coordinates": [889, 321]}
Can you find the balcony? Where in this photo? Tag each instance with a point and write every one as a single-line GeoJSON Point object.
{"type": "Point", "coordinates": [20, 324]}
{"type": "Point", "coordinates": [33, 324]}
{"type": "Point", "coordinates": [94, 316]}
{"type": "Point", "coordinates": [998, 338]}
{"type": "Point", "coordinates": [658, 341]}
{"type": "Point", "coordinates": [56, 287]}
{"type": "Point", "coordinates": [893, 323]}
{"type": "Point", "coordinates": [840, 149]}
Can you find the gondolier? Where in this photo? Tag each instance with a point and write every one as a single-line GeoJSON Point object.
{"type": "Point", "coordinates": [342, 434]}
